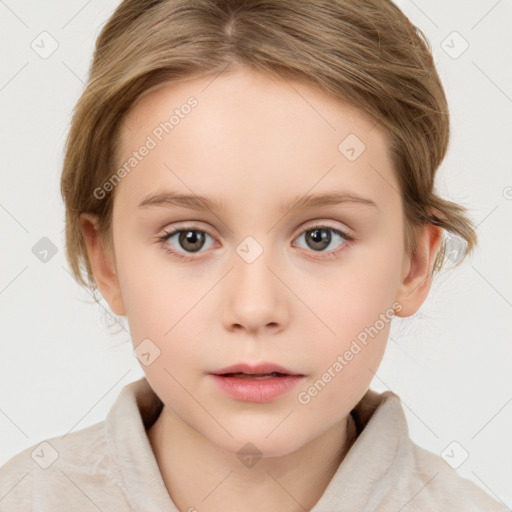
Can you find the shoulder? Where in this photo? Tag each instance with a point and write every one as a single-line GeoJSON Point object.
{"type": "Point", "coordinates": [57, 472]}
{"type": "Point", "coordinates": [439, 487]}
{"type": "Point", "coordinates": [405, 474]}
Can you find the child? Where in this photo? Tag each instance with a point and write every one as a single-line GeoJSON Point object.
{"type": "Point", "coordinates": [296, 143]}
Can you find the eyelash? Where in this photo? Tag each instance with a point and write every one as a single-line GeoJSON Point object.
{"type": "Point", "coordinates": [329, 255]}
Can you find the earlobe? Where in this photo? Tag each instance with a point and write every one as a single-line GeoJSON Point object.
{"type": "Point", "coordinates": [102, 264]}
{"type": "Point", "coordinates": [418, 267]}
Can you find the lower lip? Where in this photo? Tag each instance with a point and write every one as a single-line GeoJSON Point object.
{"type": "Point", "coordinates": [256, 390]}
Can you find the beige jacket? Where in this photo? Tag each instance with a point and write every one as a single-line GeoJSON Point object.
{"type": "Point", "coordinates": [110, 467]}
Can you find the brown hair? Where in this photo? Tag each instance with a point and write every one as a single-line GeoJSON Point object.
{"type": "Point", "coordinates": [363, 52]}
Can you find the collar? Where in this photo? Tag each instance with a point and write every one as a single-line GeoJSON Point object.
{"type": "Point", "coordinates": [382, 440]}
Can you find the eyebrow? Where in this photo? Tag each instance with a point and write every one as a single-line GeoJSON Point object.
{"type": "Point", "coordinates": [197, 202]}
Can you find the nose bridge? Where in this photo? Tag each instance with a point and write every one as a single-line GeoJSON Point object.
{"type": "Point", "coordinates": [252, 264]}
{"type": "Point", "coordinates": [255, 296]}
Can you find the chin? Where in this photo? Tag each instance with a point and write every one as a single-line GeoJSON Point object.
{"type": "Point", "coordinates": [257, 442]}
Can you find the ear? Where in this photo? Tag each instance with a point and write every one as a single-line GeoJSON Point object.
{"type": "Point", "coordinates": [417, 270]}
{"type": "Point", "coordinates": [102, 264]}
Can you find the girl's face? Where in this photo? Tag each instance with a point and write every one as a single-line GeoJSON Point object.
{"type": "Point", "coordinates": [249, 279]}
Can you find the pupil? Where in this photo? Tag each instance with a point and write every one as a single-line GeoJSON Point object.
{"type": "Point", "coordinates": [320, 238]}
{"type": "Point", "coordinates": [195, 238]}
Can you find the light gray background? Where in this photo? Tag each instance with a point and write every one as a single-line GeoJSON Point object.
{"type": "Point", "coordinates": [60, 370]}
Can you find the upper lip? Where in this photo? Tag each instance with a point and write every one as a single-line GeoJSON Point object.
{"type": "Point", "coordinates": [259, 368]}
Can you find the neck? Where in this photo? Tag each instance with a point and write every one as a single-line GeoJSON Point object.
{"type": "Point", "coordinates": [200, 474]}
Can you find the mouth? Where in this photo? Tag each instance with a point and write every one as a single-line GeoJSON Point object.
{"type": "Point", "coordinates": [256, 371]}
{"type": "Point", "coordinates": [255, 388]}
{"type": "Point", "coordinates": [254, 376]}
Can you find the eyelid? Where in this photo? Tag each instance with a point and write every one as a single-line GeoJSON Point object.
{"type": "Point", "coordinates": [186, 226]}
{"type": "Point", "coordinates": [194, 226]}
{"type": "Point", "coordinates": [318, 224]}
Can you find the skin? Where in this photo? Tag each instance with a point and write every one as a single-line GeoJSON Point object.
{"type": "Point", "coordinates": [255, 143]}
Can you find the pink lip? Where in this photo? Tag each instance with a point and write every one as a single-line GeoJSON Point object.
{"type": "Point", "coordinates": [256, 390]}
{"type": "Point", "coordinates": [254, 369]}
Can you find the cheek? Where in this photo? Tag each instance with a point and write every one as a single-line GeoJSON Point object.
{"type": "Point", "coordinates": [356, 307]}
{"type": "Point", "coordinates": [344, 367]}
{"type": "Point", "coordinates": [356, 294]}
{"type": "Point", "coordinates": [149, 293]}
{"type": "Point", "coordinates": [162, 306]}
{"type": "Point", "coordinates": [161, 297]}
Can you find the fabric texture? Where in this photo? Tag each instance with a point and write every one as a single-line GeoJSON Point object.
{"type": "Point", "coordinates": [110, 466]}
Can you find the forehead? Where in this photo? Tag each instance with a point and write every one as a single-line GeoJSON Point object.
{"type": "Point", "coordinates": [252, 133]}
{"type": "Point", "coordinates": [244, 92]}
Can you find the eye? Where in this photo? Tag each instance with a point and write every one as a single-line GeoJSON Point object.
{"type": "Point", "coordinates": [189, 238]}
{"type": "Point", "coordinates": [319, 237]}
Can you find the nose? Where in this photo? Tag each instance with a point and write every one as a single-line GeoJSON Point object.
{"type": "Point", "coordinates": [256, 298]}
